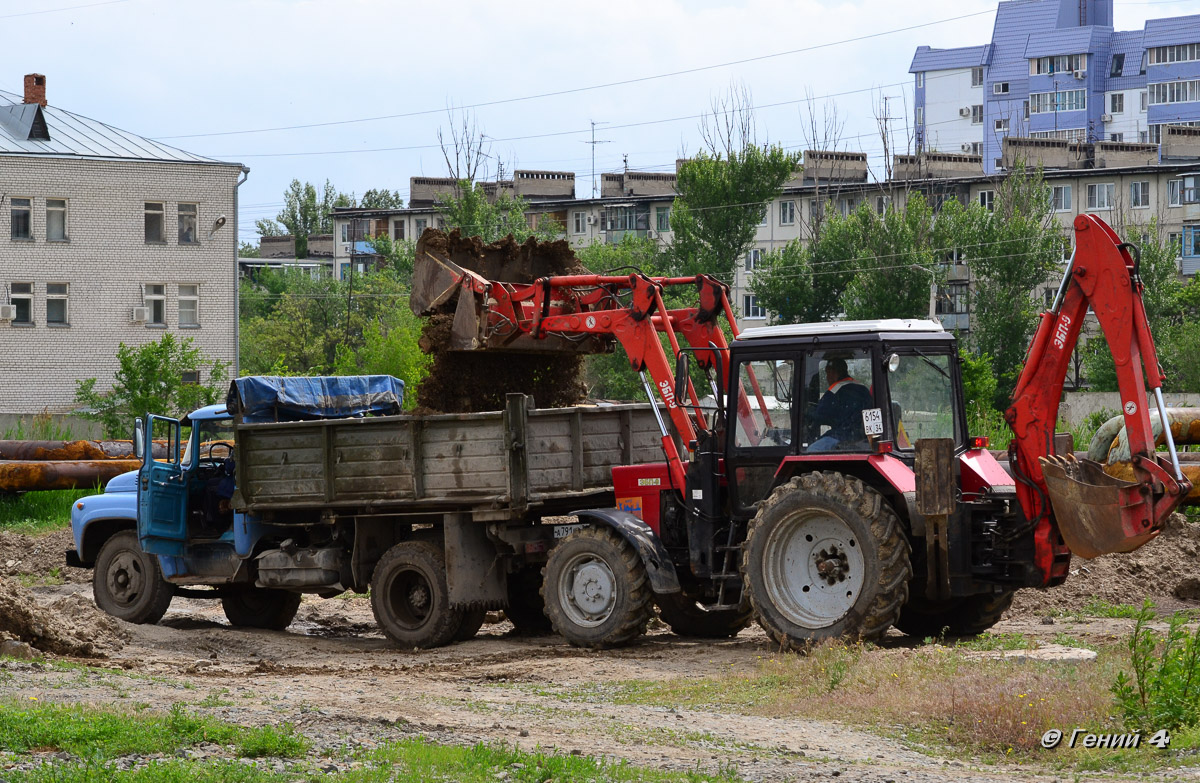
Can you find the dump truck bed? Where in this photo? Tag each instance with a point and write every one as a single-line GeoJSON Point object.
{"type": "Point", "coordinates": [517, 460]}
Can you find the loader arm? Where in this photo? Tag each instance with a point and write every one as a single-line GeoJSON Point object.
{"type": "Point", "coordinates": [1073, 506]}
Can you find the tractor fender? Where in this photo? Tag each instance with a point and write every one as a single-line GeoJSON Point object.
{"type": "Point", "coordinates": [650, 549]}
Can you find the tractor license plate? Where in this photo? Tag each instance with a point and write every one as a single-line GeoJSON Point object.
{"type": "Point", "coordinates": [873, 421]}
{"type": "Point", "coordinates": [562, 531]}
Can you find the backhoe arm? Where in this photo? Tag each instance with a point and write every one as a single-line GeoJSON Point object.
{"type": "Point", "coordinates": [1074, 506]}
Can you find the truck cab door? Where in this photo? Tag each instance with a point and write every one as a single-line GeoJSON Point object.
{"type": "Point", "coordinates": [162, 490]}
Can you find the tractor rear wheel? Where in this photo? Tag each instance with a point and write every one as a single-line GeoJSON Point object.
{"type": "Point", "coordinates": [968, 616]}
{"type": "Point", "coordinates": [596, 590]}
{"type": "Point", "coordinates": [258, 607]}
{"type": "Point", "coordinates": [410, 598]}
{"type": "Point", "coordinates": [825, 557]}
{"type": "Point", "coordinates": [687, 617]}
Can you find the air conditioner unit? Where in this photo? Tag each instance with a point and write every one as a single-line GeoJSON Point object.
{"type": "Point", "coordinates": [347, 248]}
{"type": "Point", "coordinates": [591, 220]}
{"type": "Point", "coordinates": [1105, 118]}
{"type": "Point", "coordinates": [651, 234]}
{"type": "Point", "coordinates": [8, 312]}
{"type": "Point", "coordinates": [964, 111]}
{"type": "Point", "coordinates": [1079, 74]}
{"type": "Point", "coordinates": [966, 147]}
{"type": "Point", "coordinates": [138, 315]}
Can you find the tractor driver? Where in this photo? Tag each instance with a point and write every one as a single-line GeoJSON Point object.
{"type": "Point", "coordinates": [840, 408]}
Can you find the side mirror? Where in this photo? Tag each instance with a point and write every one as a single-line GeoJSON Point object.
{"type": "Point", "coordinates": [139, 438]}
{"type": "Point", "coordinates": [681, 378]}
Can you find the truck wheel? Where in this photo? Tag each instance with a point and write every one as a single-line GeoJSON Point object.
{"type": "Point", "coordinates": [688, 618]}
{"type": "Point", "coordinates": [472, 621]}
{"type": "Point", "coordinates": [825, 557]}
{"type": "Point", "coordinates": [128, 583]}
{"type": "Point", "coordinates": [526, 608]}
{"type": "Point", "coordinates": [410, 598]}
{"type": "Point", "coordinates": [259, 607]}
{"type": "Point", "coordinates": [596, 590]}
{"type": "Point", "coordinates": [968, 616]}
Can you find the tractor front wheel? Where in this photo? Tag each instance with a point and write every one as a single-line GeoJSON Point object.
{"type": "Point", "coordinates": [825, 557]}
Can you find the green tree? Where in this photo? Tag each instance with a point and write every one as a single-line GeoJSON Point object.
{"type": "Point", "coordinates": [398, 254]}
{"type": "Point", "coordinates": [381, 199]}
{"type": "Point", "coordinates": [472, 213]}
{"type": "Point", "coordinates": [722, 197]}
{"type": "Point", "coordinates": [305, 213]}
{"type": "Point", "coordinates": [150, 379]}
{"type": "Point", "coordinates": [247, 250]}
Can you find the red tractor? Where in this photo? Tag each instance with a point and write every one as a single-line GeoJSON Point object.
{"type": "Point", "coordinates": [828, 486]}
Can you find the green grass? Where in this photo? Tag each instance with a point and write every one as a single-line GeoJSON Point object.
{"type": "Point", "coordinates": [997, 641]}
{"type": "Point", "coordinates": [101, 733]}
{"type": "Point", "coordinates": [34, 513]}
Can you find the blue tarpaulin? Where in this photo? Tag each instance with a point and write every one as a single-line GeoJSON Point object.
{"type": "Point", "coordinates": [260, 398]}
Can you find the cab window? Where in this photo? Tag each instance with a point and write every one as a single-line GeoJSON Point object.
{"type": "Point", "coordinates": [922, 397]}
{"type": "Point", "coordinates": [839, 388]}
{"type": "Point", "coordinates": [213, 441]}
{"type": "Point", "coordinates": [764, 410]}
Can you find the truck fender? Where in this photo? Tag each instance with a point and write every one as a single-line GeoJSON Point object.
{"type": "Point", "coordinates": [649, 547]}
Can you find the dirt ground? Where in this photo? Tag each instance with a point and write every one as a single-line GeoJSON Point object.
{"type": "Point", "coordinates": [338, 680]}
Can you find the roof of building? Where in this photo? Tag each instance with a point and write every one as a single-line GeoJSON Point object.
{"type": "Point", "coordinates": [1069, 40]}
{"type": "Point", "coordinates": [1015, 22]}
{"type": "Point", "coordinates": [1128, 43]}
{"type": "Point", "coordinates": [927, 59]}
{"type": "Point", "coordinates": [1172, 30]}
{"type": "Point", "coordinates": [72, 135]}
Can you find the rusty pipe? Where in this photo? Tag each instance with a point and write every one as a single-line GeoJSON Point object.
{"type": "Point", "coordinates": [41, 475]}
{"type": "Point", "coordinates": [38, 450]}
{"type": "Point", "coordinates": [1110, 446]}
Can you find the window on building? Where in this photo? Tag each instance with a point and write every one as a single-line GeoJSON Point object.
{"type": "Point", "coordinates": [1143, 137]}
{"type": "Point", "coordinates": [920, 80]}
{"type": "Point", "coordinates": [189, 305]}
{"type": "Point", "coordinates": [1174, 92]}
{"type": "Point", "coordinates": [1025, 108]}
{"type": "Point", "coordinates": [441, 224]}
{"type": "Point", "coordinates": [1001, 126]}
{"type": "Point", "coordinates": [977, 148]}
{"type": "Point", "coordinates": [1142, 71]}
{"type": "Point", "coordinates": [1100, 196]}
{"type": "Point", "coordinates": [977, 114]}
{"type": "Point", "coordinates": [21, 295]}
{"type": "Point", "coordinates": [56, 220]}
{"type": "Point", "coordinates": [1145, 100]}
{"type": "Point", "coordinates": [578, 222]}
{"type": "Point", "coordinates": [56, 304]}
{"type": "Point", "coordinates": [762, 220]}
{"type": "Point", "coordinates": [952, 299]}
{"type": "Point", "coordinates": [345, 232]}
{"type": "Point", "coordinates": [787, 213]}
{"type": "Point", "coordinates": [187, 223]}
{"type": "Point", "coordinates": [420, 225]}
{"type": "Point", "coordinates": [1116, 103]}
{"type": "Point", "coordinates": [1063, 63]}
{"type": "Point", "coordinates": [155, 231]}
{"type": "Point", "coordinates": [1175, 193]}
{"type": "Point", "coordinates": [1175, 240]}
{"type": "Point", "coordinates": [882, 203]}
{"type": "Point", "coordinates": [398, 230]}
{"type": "Point", "coordinates": [1179, 53]}
{"type": "Point", "coordinates": [190, 377]}
{"type": "Point", "coordinates": [1060, 197]}
{"type": "Point", "coordinates": [1065, 100]}
{"type": "Point", "coordinates": [750, 307]}
{"type": "Point", "coordinates": [154, 297]}
{"type": "Point", "coordinates": [1139, 194]}
{"type": "Point", "coordinates": [1191, 241]}
{"type": "Point", "coordinates": [920, 115]}
{"type": "Point", "coordinates": [662, 219]}
{"type": "Point", "coordinates": [753, 259]}
{"type": "Point", "coordinates": [987, 199]}
{"type": "Point", "coordinates": [977, 76]}
{"type": "Point", "coordinates": [1068, 247]}
{"type": "Point", "coordinates": [1119, 137]}
{"type": "Point", "coordinates": [22, 218]}
{"type": "Point", "coordinates": [1118, 65]}
{"type": "Point", "coordinates": [1000, 88]}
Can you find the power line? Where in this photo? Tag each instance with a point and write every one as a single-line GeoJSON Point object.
{"type": "Point", "coordinates": [574, 90]}
{"type": "Point", "coordinates": [65, 8]}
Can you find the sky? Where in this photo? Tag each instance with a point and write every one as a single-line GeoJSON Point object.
{"type": "Point", "coordinates": [199, 75]}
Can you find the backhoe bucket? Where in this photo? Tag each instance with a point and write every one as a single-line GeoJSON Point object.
{"type": "Point", "coordinates": [1089, 504]}
{"type": "Point", "coordinates": [435, 279]}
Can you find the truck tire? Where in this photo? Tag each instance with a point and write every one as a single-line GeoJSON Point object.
{"type": "Point", "coordinates": [472, 621]}
{"type": "Point", "coordinates": [688, 618]}
{"type": "Point", "coordinates": [410, 598]}
{"type": "Point", "coordinates": [526, 608]}
{"type": "Point", "coordinates": [128, 583]}
{"type": "Point", "coordinates": [971, 615]}
{"type": "Point", "coordinates": [825, 557]}
{"type": "Point", "coordinates": [259, 607]}
{"type": "Point", "coordinates": [596, 590]}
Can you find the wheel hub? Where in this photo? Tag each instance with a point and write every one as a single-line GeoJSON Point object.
{"type": "Point", "coordinates": [589, 590]}
{"type": "Point", "coordinates": [814, 568]}
{"type": "Point", "coordinates": [832, 564]}
{"type": "Point", "coordinates": [125, 578]}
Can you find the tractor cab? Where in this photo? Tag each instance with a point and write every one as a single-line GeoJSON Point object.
{"type": "Point", "coordinates": [839, 392]}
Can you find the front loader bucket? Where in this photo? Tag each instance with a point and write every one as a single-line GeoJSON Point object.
{"type": "Point", "coordinates": [1089, 507]}
{"type": "Point", "coordinates": [434, 281]}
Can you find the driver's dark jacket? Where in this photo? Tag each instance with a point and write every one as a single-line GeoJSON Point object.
{"type": "Point", "coordinates": [841, 409]}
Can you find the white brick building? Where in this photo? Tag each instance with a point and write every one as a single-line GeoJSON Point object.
{"type": "Point", "coordinates": [107, 238]}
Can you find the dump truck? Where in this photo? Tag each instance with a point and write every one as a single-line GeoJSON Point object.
{"type": "Point", "coordinates": [826, 485]}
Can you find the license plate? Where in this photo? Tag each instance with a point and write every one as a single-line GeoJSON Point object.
{"type": "Point", "coordinates": [562, 531]}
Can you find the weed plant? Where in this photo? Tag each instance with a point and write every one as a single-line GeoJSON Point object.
{"type": "Point", "coordinates": [1164, 690]}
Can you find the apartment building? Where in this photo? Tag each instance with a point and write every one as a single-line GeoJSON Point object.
{"type": "Point", "coordinates": [111, 238]}
{"type": "Point", "coordinates": [1056, 69]}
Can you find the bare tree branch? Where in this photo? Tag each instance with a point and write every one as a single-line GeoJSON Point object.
{"type": "Point", "coordinates": [467, 150]}
{"type": "Point", "coordinates": [729, 127]}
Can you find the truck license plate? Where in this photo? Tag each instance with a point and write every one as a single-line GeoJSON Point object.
{"type": "Point", "coordinates": [562, 531]}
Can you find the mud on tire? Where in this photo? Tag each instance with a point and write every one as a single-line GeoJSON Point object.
{"type": "Point", "coordinates": [127, 582]}
{"type": "Point", "coordinates": [596, 590]}
{"type": "Point", "coordinates": [410, 598]}
{"type": "Point", "coordinates": [258, 607]}
{"type": "Point", "coordinates": [825, 557]}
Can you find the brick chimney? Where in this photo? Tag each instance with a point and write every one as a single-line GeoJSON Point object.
{"type": "Point", "coordinates": [35, 88]}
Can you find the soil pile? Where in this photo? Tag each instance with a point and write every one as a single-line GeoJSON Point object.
{"type": "Point", "coordinates": [69, 626]}
{"type": "Point", "coordinates": [39, 556]}
{"type": "Point", "coordinates": [1163, 570]}
{"type": "Point", "coordinates": [465, 382]}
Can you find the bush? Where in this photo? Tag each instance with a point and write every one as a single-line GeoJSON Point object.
{"type": "Point", "coordinates": [1164, 691]}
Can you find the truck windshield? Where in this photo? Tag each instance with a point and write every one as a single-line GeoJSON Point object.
{"type": "Point", "coordinates": [211, 440]}
{"type": "Point", "coordinates": [922, 398]}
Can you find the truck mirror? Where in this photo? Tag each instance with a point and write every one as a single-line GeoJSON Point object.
{"type": "Point", "coordinates": [681, 377]}
{"type": "Point", "coordinates": [139, 438]}
{"type": "Point", "coordinates": [893, 362]}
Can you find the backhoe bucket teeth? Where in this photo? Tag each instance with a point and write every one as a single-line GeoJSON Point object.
{"type": "Point", "coordinates": [1088, 505]}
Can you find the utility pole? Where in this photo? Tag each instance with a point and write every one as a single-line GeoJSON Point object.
{"type": "Point", "coordinates": [593, 142]}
